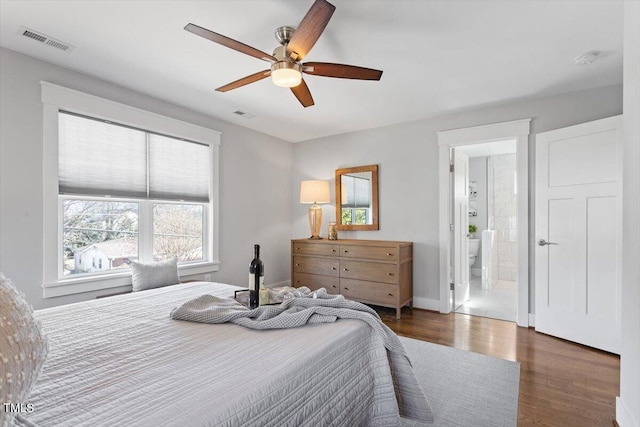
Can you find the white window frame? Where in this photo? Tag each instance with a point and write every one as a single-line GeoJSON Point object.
{"type": "Point", "coordinates": [55, 98]}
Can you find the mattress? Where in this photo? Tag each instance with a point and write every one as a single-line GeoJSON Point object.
{"type": "Point", "coordinates": [121, 361]}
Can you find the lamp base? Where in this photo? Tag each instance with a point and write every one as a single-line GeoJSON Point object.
{"type": "Point", "coordinates": [315, 220]}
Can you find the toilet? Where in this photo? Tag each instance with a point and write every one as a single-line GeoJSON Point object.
{"type": "Point", "coordinates": [474, 247]}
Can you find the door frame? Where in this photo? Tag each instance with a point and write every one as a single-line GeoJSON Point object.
{"type": "Point", "coordinates": [519, 131]}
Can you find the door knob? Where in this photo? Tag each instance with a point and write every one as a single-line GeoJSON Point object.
{"type": "Point", "coordinates": [543, 242]}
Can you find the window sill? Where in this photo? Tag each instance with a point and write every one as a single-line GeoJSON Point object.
{"type": "Point", "coordinates": [78, 285]}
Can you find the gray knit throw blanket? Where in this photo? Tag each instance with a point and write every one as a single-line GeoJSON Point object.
{"type": "Point", "coordinates": [313, 307]}
{"type": "Point", "coordinates": [316, 307]}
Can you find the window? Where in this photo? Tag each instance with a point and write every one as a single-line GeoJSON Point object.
{"type": "Point", "coordinates": [125, 185]}
{"type": "Point", "coordinates": [94, 227]}
{"type": "Point", "coordinates": [178, 231]}
{"type": "Point", "coordinates": [100, 160]}
{"type": "Point", "coordinates": [356, 204]}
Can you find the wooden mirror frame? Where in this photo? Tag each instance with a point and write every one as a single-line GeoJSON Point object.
{"type": "Point", "coordinates": [374, 198]}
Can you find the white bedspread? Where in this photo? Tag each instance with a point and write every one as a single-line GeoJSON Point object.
{"type": "Point", "coordinates": [122, 361]}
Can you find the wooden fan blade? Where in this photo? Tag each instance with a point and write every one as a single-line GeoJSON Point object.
{"type": "Point", "coordinates": [245, 81]}
{"type": "Point", "coordinates": [310, 29]}
{"type": "Point", "coordinates": [302, 93]}
{"type": "Point", "coordinates": [341, 71]}
{"type": "Point", "coordinates": [228, 42]}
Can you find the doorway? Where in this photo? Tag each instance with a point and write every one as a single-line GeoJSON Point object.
{"type": "Point", "coordinates": [491, 233]}
{"type": "Point", "coordinates": [452, 264]}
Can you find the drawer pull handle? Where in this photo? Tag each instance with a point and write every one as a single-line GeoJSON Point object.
{"type": "Point", "coordinates": [390, 274]}
{"type": "Point", "coordinates": [346, 251]}
{"type": "Point", "coordinates": [333, 268]}
{"type": "Point", "coordinates": [333, 286]}
{"type": "Point", "coordinates": [297, 265]}
{"type": "Point", "coordinates": [389, 254]}
{"type": "Point", "coordinates": [333, 250]}
{"type": "Point", "coordinates": [346, 289]}
{"type": "Point", "coordinates": [390, 295]}
{"type": "Point", "coordinates": [345, 269]}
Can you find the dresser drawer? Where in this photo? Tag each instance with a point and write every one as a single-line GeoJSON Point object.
{"type": "Point", "coordinates": [376, 272]}
{"type": "Point", "coordinates": [315, 249]}
{"type": "Point", "coordinates": [369, 252]}
{"type": "Point", "coordinates": [322, 266]}
{"type": "Point", "coordinates": [369, 271]}
{"type": "Point", "coordinates": [316, 281]}
{"type": "Point", "coordinates": [372, 292]}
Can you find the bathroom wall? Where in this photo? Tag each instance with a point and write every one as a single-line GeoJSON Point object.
{"type": "Point", "coordinates": [502, 213]}
{"type": "Point", "coordinates": [478, 173]}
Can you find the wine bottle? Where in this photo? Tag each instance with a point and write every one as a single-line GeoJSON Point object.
{"type": "Point", "coordinates": [256, 277]}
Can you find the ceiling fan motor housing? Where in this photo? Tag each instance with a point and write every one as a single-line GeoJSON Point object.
{"type": "Point", "coordinates": [280, 53]}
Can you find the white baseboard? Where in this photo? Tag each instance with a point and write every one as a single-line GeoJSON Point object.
{"type": "Point", "coordinates": [280, 284]}
{"type": "Point", "coordinates": [532, 319]}
{"type": "Point", "coordinates": [623, 415]}
{"type": "Point", "coordinates": [426, 303]}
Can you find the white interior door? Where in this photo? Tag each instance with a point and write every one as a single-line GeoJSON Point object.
{"type": "Point", "coordinates": [460, 227]}
{"type": "Point", "coordinates": [578, 233]}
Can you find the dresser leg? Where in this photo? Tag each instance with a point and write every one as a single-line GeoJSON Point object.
{"type": "Point", "coordinates": [398, 309]}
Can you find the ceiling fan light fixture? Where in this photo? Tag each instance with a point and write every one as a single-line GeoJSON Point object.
{"type": "Point", "coordinates": [286, 74]}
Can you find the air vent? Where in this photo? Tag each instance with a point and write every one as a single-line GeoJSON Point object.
{"type": "Point", "coordinates": [34, 36]}
{"type": "Point", "coordinates": [243, 114]}
{"type": "Point", "coordinates": [49, 41]}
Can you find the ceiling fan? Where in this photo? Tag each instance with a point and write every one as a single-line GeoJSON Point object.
{"type": "Point", "coordinates": [286, 66]}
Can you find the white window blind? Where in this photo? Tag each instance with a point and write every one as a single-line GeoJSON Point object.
{"type": "Point", "coordinates": [98, 158]}
{"type": "Point", "coordinates": [358, 192]}
{"type": "Point", "coordinates": [178, 169]}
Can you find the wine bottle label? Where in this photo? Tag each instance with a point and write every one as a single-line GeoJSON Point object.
{"type": "Point", "coordinates": [261, 282]}
{"type": "Point", "coordinates": [252, 281]}
{"type": "Point", "coordinates": [264, 296]}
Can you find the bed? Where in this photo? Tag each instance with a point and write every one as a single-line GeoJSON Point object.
{"type": "Point", "coordinates": [121, 361]}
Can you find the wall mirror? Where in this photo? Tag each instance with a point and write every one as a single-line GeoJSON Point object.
{"type": "Point", "coordinates": [357, 198]}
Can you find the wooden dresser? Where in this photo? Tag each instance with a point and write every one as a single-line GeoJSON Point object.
{"type": "Point", "coordinates": [375, 272]}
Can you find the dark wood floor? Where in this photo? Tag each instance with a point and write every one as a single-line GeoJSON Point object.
{"type": "Point", "coordinates": [561, 383]}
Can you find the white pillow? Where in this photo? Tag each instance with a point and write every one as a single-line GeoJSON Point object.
{"type": "Point", "coordinates": [23, 349]}
{"type": "Point", "coordinates": [154, 275]}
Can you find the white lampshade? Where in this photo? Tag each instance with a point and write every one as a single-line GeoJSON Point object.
{"type": "Point", "coordinates": [286, 73]}
{"type": "Point", "coordinates": [315, 191]}
{"type": "Point", "coordinates": [286, 77]}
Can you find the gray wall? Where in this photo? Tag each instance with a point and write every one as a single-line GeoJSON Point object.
{"type": "Point", "coordinates": [254, 170]}
{"type": "Point", "coordinates": [478, 173]}
{"type": "Point", "coordinates": [408, 157]}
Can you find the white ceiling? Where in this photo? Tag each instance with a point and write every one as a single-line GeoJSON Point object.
{"type": "Point", "coordinates": [437, 56]}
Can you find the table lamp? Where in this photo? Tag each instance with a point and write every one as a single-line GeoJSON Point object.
{"type": "Point", "coordinates": [315, 192]}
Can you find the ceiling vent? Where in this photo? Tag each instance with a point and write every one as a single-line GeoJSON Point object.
{"type": "Point", "coordinates": [586, 58]}
{"type": "Point", "coordinates": [243, 114]}
{"type": "Point", "coordinates": [49, 41]}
